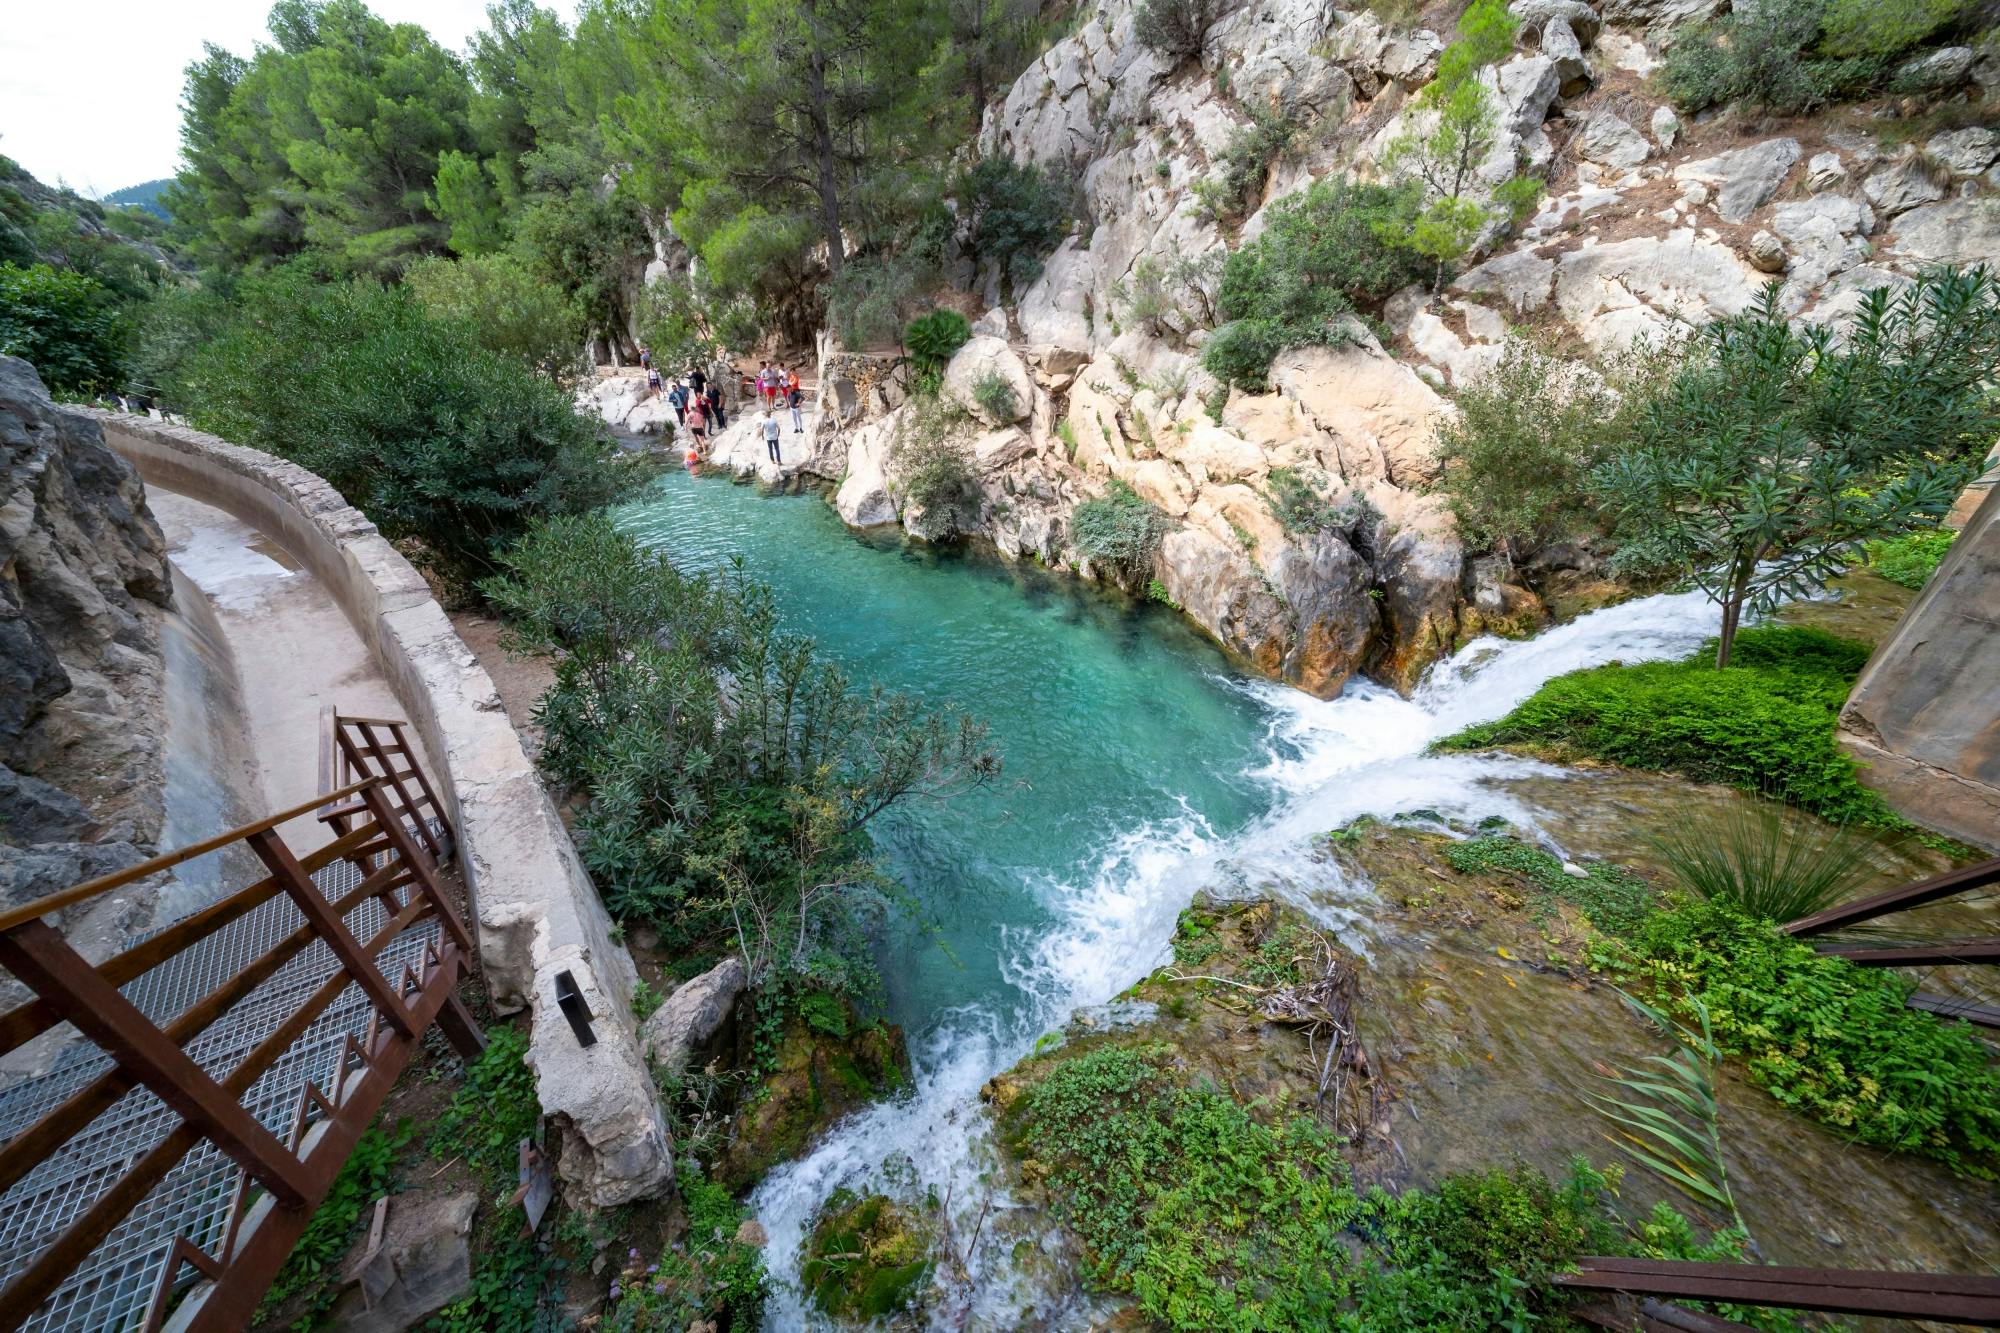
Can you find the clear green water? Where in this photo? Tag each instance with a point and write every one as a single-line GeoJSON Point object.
{"type": "Point", "coordinates": [1110, 717]}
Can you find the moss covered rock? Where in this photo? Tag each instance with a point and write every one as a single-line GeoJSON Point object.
{"type": "Point", "coordinates": [868, 1257]}
{"type": "Point", "coordinates": [828, 1063]}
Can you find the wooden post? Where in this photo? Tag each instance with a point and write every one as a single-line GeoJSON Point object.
{"type": "Point", "coordinates": [36, 954]}
{"type": "Point", "coordinates": [285, 868]}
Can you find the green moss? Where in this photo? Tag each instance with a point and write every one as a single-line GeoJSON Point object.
{"type": "Point", "coordinates": [868, 1257]}
{"type": "Point", "coordinates": [1616, 900]}
{"type": "Point", "coordinates": [1763, 724]}
{"type": "Point", "coordinates": [1911, 560]}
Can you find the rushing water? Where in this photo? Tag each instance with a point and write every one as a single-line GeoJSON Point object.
{"type": "Point", "coordinates": [1140, 768]}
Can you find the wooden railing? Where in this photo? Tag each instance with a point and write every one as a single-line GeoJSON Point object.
{"type": "Point", "coordinates": [387, 824]}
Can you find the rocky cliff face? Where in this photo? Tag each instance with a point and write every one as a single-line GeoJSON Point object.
{"type": "Point", "coordinates": [83, 575]}
{"type": "Point", "coordinates": [1649, 223]}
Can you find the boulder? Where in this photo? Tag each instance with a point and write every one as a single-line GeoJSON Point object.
{"type": "Point", "coordinates": [1537, 15]}
{"type": "Point", "coordinates": [1945, 68]}
{"type": "Point", "coordinates": [1216, 585]}
{"type": "Point", "coordinates": [33, 812]}
{"type": "Point", "coordinates": [1658, 17]}
{"type": "Point", "coordinates": [1564, 53]}
{"type": "Point", "coordinates": [863, 500]}
{"type": "Point", "coordinates": [1361, 393]}
{"type": "Point", "coordinates": [868, 1258]}
{"type": "Point", "coordinates": [1766, 253]}
{"type": "Point", "coordinates": [1968, 151]}
{"type": "Point", "coordinates": [996, 449]}
{"type": "Point", "coordinates": [1743, 178]}
{"type": "Point", "coordinates": [1617, 292]}
{"type": "Point", "coordinates": [980, 361]}
{"type": "Point", "coordinates": [1954, 231]}
{"type": "Point", "coordinates": [693, 1014]}
{"type": "Point", "coordinates": [1419, 565]}
{"type": "Point", "coordinates": [1825, 172]}
{"type": "Point", "coordinates": [1609, 141]}
{"type": "Point", "coordinates": [1666, 127]}
{"type": "Point", "coordinates": [1216, 453]}
{"type": "Point", "coordinates": [1521, 278]}
{"type": "Point", "coordinates": [1898, 187]}
{"type": "Point", "coordinates": [1325, 583]}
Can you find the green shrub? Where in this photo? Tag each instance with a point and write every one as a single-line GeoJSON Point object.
{"type": "Point", "coordinates": [511, 310]}
{"type": "Point", "coordinates": [1786, 56]}
{"type": "Point", "coordinates": [312, 1269]}
{"type": "Point", "coordinates": [1766, 866]}
{"type": "Point", "coordinates": [1323, 252]}
{"type": "Point", "coordinates": [1018, 212]}
{"type": "Point", "coordinates": [1873, 28]}
{"type": "Point", "coordinates": [1299, 502]}
{"type": "Point", "coordinates": [931, 339]}
{"type": "Point", "coordinates": [66, 325]}
{"type": "Point", "coordinates": [710, 1274]}
{"type": "Point", "coordinates": [1118, 530]}
{"type": "Point", "coordinates": [1829, 1039]}
{"type": "Point", "coordinates": [995, 393]}
{"type": "Point", "coordinates": [429, 434]}
{"type": "Point", "coordinates": [1763, 724]}
{"type": "Point", "coordinates": [937, 488]}
{"type": "Point", "coordinates": [1910, 560]}
{"type": "Point", "coordinates": [1517, 456]}
{"type": "Point", "coordinates": [1175, 28]}
{"type": "Point", "coordinates": [1246, 163]}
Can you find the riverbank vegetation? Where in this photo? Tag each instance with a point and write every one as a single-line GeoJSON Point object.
{"type": "Point", "coordinates": [1763, 724]}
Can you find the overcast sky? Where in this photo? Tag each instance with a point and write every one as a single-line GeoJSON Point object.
{"type": "Point", "coordinates": [91, 90]}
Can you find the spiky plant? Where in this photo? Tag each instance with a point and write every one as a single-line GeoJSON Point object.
{"type": "Point", "coordinates": [1668, 1118]}
{"type": "Point", "coordinates": [1768, 863]}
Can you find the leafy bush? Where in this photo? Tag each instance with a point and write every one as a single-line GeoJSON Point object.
{"type": "Point", "coordinates": [510, 309]}
{"type": "Point", "coordinates": [935, 482]}
{"type": "Point", "coordinates": [1324, 251]}
{"type": "Point", "coordinates": [737, 823]}
{"type": "Point", "coordinates": [995, 393]}
{"type": "Point", "coordinates": [1829, 1039]}
{"type": "Point", "coordinates": [1019, 214]}
{"type": "Point", "coordinates": [931, 339]}
{"type": "Point", "coordinates": [1871, 28]}
{"type": "Point", "coordinates": [1910, 560]}
{"type": "Point", "coordinates": [868, 300]}
{"type": "Point", "coordinates": [1787, 56]}
{"type": "Point", "coordinates": [1517, 456]}
{"type": "Point", "coordinates": [1176, 29]}
{"type": "Point", "coordinates": [432, 436]}
{"type": "Point", "coordinates": [1766, 866]}
{"type": "Point", "coordinates": [1764, 724]}
{"type": "Point", "coordinates": [1246, 163]}
{"type": "Point", "coordinates": [1298, 501]}
{"type": "Point", "coordinates": [709, 1275]}
{"type": "Point", "coordinates": [1118, 531]}
{"type": "Point", "coordinates": [66, 325]}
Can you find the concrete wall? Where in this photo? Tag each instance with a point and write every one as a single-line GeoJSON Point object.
{"type": "Point", "coordinates": [536, 911]}
{"type": "Point", "coordinates": [1925, 715]}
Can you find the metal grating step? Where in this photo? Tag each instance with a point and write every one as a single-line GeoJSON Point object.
{"type": "Point", "coordinates": [112, 1288]}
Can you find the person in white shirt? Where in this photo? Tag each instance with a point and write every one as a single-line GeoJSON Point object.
{"type": "Point", "coordinates": [771, 436]}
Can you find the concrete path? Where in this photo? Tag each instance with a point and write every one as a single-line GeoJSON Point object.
{"type": "Point", "coordinates": [291, 648]}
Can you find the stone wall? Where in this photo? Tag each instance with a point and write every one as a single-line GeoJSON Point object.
{"type": "Point", "coordinates": [535, 910]}
{"type": "Point", "coordinates": [1925, 715]}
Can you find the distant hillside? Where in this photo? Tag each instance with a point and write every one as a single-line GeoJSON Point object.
{"type": "Point", "coordinates": [145, 195]}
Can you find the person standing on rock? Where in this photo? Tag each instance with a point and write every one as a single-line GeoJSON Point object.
{"type": "Point", "coordinates": [715, 409]}
{"type": "Point", "coordinates": [794, 398]}
{"type": "Point", "coordinates": [764, 384]}
{"type": "Point", "coordinates": [678, 396]}
{"type": "Point", "coordinates": [697, 379]}
{"type": "Point", "coordinates": [697, 421]}
{"type": "Point", "coordinates": [771, 436]}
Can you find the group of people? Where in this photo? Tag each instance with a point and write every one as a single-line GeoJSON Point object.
{"type": "Point", "coordinates": [698, 406]}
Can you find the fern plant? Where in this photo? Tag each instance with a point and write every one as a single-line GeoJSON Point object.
{"type": "Point", "coordinates": [931, 339]}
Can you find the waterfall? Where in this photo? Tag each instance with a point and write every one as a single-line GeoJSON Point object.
{"type": "Point", "coordinates": [1326, 762]}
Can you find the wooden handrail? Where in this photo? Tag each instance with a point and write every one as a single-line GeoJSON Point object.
{"type": "Point", "coordinates": [1975, 876]}
{"type": "Point", "coordinates": [103, 884]}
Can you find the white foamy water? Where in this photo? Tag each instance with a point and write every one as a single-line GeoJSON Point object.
{"type": "Point", "coordinates": [1327, 763]}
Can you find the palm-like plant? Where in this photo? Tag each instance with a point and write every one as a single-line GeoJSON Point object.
{"type": "Point", "coordinates": [1668, 1117]}
{"type": "Point", "coordinates": [1770, 864]}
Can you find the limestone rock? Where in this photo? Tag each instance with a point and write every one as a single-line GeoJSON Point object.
{"type": "Point", "coordinates": [1824, 172]}
{"type": "Point", "coordinates": [1957, 231]}
{"type": "Point", "coordinates": [1419, 564]}
{"type": "Point", "coordinates": [1947, 67]}
{"type": "Point", "coordinates": [1666, 127]}
{"type": "Point", "coordinates": [1745, 177]}
{"type": "Point", "coordinates": [1578, 17]}
{"type": "Point", "coordinates": [1325, 582]}
{"type": "Point", "coordinates": [1659, 17]}
{"type": "Point", "coordinates": [1564, 53]}
{"type": "Point", "coordinates": [693, 1013]}
{"type": "Point", "coordinates": [1521, 278]}
{"type": "Point", "coordinates": [1620, 291]}
{"type": "Point", "coordinates": [1606, 139]}
{"type": "Point", "coordinates": [1898, 187]}
{"type": "Point", "coordinates": [1766, 253]}
{"type": "Point", "coordinates": [34, 812]}
{"type": "Point", "coordinates": [1968, 151]}
{"type": "Point", "coordinates": [1276, 62]}
{"type": "Point", "coordinates": [978, 361]}
{"type": "Point", "coordinates": [1361, 393]}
